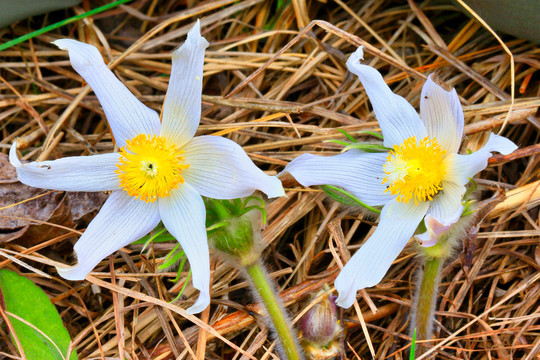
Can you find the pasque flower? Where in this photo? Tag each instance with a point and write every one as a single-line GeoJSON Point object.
{"type": "Point", "coordinates": [161, 170]}
{"type": "Point", "coordinates": [421, 175]}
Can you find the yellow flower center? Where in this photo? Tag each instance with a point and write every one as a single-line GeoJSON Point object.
{"type": "Point", "coordinates": [148, 168]}
{"type": "Point", "coordinates": [415, 170]}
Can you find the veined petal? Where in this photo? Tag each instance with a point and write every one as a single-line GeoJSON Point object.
{"type": "Point", "coordinates": [75, 173]}
{"type": "Point", "coordinates": [463, 167]}
{"type": "Point", "coordinates": [183, 214]}
{"type": "Point", "coordinates": [182, 107]}
{"type": "Point", "coordinates": [442, 114]}
{"type": "Point", "coordinates": [122, 220]}
{"type": "Point", "coordinates": [127, 116]}
{"type": "Point", "coordinates": [444, 210]}
{"type": "Point", "coordinates": [435, 228]}
{"type": "Point", "coordinates": [371, 262]}
{"type": "Point", "coordinates": [357, 172]}
{"type": "Point", "coordinates": [219, 168]}
{"type": "Point", "coordinates": [397, 118]}
{"type": "Point", "coordinates": [447, 202]}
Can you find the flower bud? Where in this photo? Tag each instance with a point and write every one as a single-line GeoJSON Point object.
{"type": "Point", "coordinates": [319, 329]}
{"type": "Point", "coordinates": [233, 229]}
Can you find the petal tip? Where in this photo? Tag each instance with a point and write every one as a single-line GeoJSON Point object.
{"type": "Point", "coordinates": [433, 79]}
{"type": "Point", "coordinates": [346, 288]}
{"type": "Point", "coordinates": [296, 166]}
{"type": "Point", "coordinates": [61, 43]}
{"type": "Point", "coordinates": [80, 54]}
{"type": "Point", "coordinates": [425, 239]}
{"type": "Point", "coordinates": [274, 188]}
{"type": "Point", "coordinates": [501, 144]}
{"type": "Point", "coordinates": [202, 303]}
{"type": "Point", "coordinates": [13, 158]}
{"type": "Point", "coordinates": [72, 273]}
{"type": "Point", "coordinates": [344, 301]}
{"type": "Point", "coordinates": [194, 38]}
{"type": "Point", "coordinates": [354, 59]}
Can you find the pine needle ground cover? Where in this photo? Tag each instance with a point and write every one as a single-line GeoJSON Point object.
{"type": "Point", "coordinates": [275, 82]}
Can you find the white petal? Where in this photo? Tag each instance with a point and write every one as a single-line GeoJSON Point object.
{"type": "Point", "coordinates": [442, 114]}
{"type": "Point", "coordinates": [219, 168]}
{"type": "Point", "coordinates": [447, 202]}
{"type": "Point", "coordinates": [463, 167]}
{"type": "Point", "coordinates": [184, 215]}
{"type": "Point", "coordinates": [435, 228]}
{"type": "Point", "coordinates": [75, 173]}
{"type": "Point", "coordinates": [397, 118]}
{"type": "Point", "coordinates": [357, 172]}
{"type": "Point", "coordinates": [182, 107]}
{"type": "Point", "coordinates": [121, 221]}
{"type": "Point", "coordinates": [371, 262]}
{"type": "Point", "coordinates": [127, 116]}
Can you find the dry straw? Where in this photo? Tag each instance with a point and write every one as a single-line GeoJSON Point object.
{"type": "Point", "coordinates": [275, 81]}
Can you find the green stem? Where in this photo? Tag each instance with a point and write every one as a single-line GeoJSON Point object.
{"type": "Point", "coordinates": [426, 299]}
{"type": "Point", "coordinates": [274, 309]}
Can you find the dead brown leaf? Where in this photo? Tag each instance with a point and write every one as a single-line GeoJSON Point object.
{"type": "Point", "coordinates": [29, 215]}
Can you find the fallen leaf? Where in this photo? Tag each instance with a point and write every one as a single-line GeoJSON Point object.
{"type": "Point", "coordinates": [32, 220]}
{"type": "Point", "coordinates": [85, 205]}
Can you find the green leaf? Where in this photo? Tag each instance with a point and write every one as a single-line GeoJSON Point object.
{"type": "Point", "coordinates": [48, 339]}
{"type": "Point", "coordinates": [344, 197]}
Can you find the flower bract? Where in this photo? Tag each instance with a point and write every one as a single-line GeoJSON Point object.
{"type": "Point", "coordinates": [422, 175]}
{"type": "Point", "coordinates": [161, 170]}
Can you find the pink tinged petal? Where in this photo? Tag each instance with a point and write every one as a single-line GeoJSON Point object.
{"type": "Point", "coordinates": [436, 228]}
{"type": "Point", "coordinates": [219, 168]}
{"type": "Point", "coordinates": [442, 114]}
{"type": "Point", "coordinates": [463, 167]}
{"type": "Point", "coordinates": [371, 262]}
{"type": "Point", "coordinates": [183, 214]}
{"type": "Point", "coordinates": [182, 107]}
{"type": "Point", "coordinates": [121, 221]}
{"type": "Point", "coordinates": [357, 172]}
{"type": "Point", "coordinates": [76, 173]}
{"type": "Point", "coordinates": [397, 118]}
{"type": "Point", "coordinates": [127, 116]}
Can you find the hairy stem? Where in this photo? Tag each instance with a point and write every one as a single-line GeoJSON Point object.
{"type": "Point", "coordinates": [273, 306]}
{"type": "Point", "coordinates": [426, 299]}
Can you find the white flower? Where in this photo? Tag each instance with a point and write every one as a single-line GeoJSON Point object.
{"type": "Point", "coordinates": [422, 175]}
{"type": "Point", "coordinates": [161, 170]}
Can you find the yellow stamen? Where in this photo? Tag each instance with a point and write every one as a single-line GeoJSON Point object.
{"type": "Point", "coordinates": [415, 170]}
{"type": "Point", "coordinates": [148, 168]}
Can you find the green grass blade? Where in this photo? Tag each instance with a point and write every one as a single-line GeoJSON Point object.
{"type": "Point", "coordinates": [61, 23]}
{"type": "Point", "coordinates": [413, 345]}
